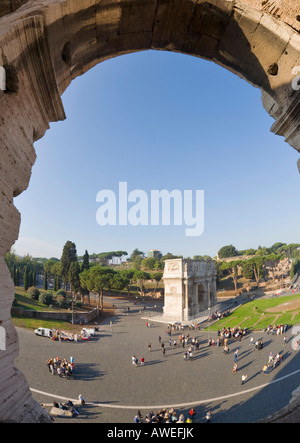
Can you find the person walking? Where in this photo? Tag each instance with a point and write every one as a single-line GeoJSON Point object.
{"type": "Point", "coordinates": [236, 356]}
{"type": "Point", "coordinates": [244, 379]}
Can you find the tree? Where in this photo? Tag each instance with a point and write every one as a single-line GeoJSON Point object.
{"type": "Point", "coordinates": [149, 263]}
{"type": "Point", "coordinates": [56, 272]}
{"type": "Point", "coordinates": [25, 278]}
{"type": "Point", "coordinates": [73, 277]}
{"type": "Point", "coordinates": [169, 256]}
{"type": "Point", "coordinates": [128, 275]}
{"type": "Point", "coordinates": [97, 279]}
{"type": "Point", "coordinates": [202, 257]}
{"type": "Point", "coordinates": [233, 268]}
{"type": "Point", "coordinates": [257, 266]}
{"type": "Point", "coordinates": [247, 270]}
{"type": "Point", "coordinates": [227, 251]}
{"type": "Point", "coordinates": [140, 277]}
{"type": "Point", "coordinates": [45, 280]}
{"type": "Point", "coordinates": [69, 255]}
{"type": "Point", "coordinates": [157, 276]}
{"type": "Point", "coordinates": [295, 268]}
{"type": "Point", "coordinates": [86, 261]}
{"type": "Point", "coordinates": [119, 281]}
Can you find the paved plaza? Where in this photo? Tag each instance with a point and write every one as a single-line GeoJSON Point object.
{"type": "Point", "coordinates": [114, 389]}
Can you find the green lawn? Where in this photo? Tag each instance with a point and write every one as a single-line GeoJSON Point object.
{"type": "Point", "coordinates": [254, 315]}
{"type": "Point", "coordinates": [34, 323]}
{"type": "Point", "coordinates": [22, 300]}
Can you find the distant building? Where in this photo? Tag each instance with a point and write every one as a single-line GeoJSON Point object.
{"type": "Point", "coordinates": [155, 254]}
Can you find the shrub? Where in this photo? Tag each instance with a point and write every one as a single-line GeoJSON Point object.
{"type": "Point", "coordinates": [33, 293]}
{"type": "Point", "coordinates": [61, 301]}
{"type": "Point", "coordinates": [45, 298]}
{"type": "Point", "coordinates": [61, 292]}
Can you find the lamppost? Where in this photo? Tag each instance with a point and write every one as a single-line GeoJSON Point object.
{"type": "Point", "coordinates": [208, 337]}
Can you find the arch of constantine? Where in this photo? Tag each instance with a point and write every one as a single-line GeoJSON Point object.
{"type": "Point", "coordinates": [190, 288]}
{"type": "Point", "coordinates": [44, 45]}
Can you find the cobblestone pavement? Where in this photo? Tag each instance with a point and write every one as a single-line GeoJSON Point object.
{"type": "Point", "coordinates": [105, 373]}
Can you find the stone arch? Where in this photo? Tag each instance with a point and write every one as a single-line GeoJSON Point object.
{"type": "Point", "coordinates": [45, 45]}
{"type": "Point", "coordinates": [201, 297]}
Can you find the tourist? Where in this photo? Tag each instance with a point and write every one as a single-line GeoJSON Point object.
{"type": "Point", "coordinates": [81, 399]}
{"type": "Point", "coordinates": [142, 361]}
{"type": "Point", "coordinates": [208, 417]}
{"type": "Point", "coordinates": [226, 350]}
{"type": "Point", "coordinates": [244, 378]}
{"type": "Point", "coordinates": [236, 355]}
{"type": "Point", "coordinates": [136, 419]}
{"type": "Point", "coordinates": [192, 412]}
{"type": "Point", "coordinates": [235, 368]}
{"type": "Point", "coordinates": [181, 419]}
{"type": "Point", "coordinates": [266, 369]}
{"type": "Point", "coordinates": [149, 347]}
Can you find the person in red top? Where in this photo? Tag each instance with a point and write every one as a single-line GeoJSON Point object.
{"type": "Point", "coordinates": [192, 413]}
{"type": "Point", "coordinates": [142, 361]}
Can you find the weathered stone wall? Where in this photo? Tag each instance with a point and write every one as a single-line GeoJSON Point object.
{"type": "Point", "coordinates": [44, 45]}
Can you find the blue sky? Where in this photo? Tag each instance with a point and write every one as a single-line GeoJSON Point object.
{"type": "Point", "coordinates": [160, 120]}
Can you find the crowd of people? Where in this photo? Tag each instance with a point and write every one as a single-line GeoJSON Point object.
{"type": "Point", "coordinates": [273, 362]}
{"type": "Point", "coordinates": [61, 367]}
{"type": "Point", "coordinates": [68, 406]}
{"type": "Point", "coordinates": [218, 315]}
{"type": "Point", "coordinates": [169, 416]}
{"type": "Point", "coordinates": [276, 329]}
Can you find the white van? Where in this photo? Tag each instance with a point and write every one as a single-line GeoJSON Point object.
{"type": "Point", "coordinates": [44, 332]}
{"type": "Point", "coordinates": [88, 331]}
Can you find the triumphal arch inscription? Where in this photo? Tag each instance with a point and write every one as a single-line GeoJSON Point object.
{"type": "Point", "coordinates": [190, 288]}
